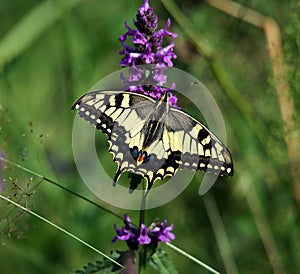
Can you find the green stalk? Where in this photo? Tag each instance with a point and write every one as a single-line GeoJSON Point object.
{"type": "Point", "coordinates": [60, 228]}
{"type": "Point", "coordinates": [60, 186]}
{"type": "Point", "coordinates": [143, 251]}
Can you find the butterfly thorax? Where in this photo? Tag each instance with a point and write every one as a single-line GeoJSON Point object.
{"type": "Point", "coordinates": [152, 130]}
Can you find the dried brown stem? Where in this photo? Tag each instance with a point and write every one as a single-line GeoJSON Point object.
{"type": "Point", "coordinates": [285, 99]}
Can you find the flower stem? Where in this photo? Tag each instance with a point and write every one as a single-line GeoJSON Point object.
{"type": "Point", "coordinates": [143, 209]}
{"type": "Point", "coordinates": [142, 252]}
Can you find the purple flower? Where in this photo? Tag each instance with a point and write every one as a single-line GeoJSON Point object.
{"type": "Point", "coordinates": [127, 233]}
{"type": "Point", "coordinates": [143, 236]}
{"type": "Point", "coordinates": [147, 49]}
{"type": "Point", "coordinates": [163, 232]}
{"type": "Point", "coordinates": [122, 234]}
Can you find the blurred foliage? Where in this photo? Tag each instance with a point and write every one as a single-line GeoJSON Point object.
{"type": "Point", "coordinates": [51, 52]}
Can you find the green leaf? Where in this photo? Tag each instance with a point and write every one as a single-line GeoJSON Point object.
{"type": "Point", "coordinates": [161, 262]}
{"type": "Point", "coordinates": [103, 267]}
{"type": "Point", "coordinates": [30, 28]}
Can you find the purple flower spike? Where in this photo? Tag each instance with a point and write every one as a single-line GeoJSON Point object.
{"type": "Point", "coordinates": [146, 19]}
{"type": "Point", "coordinates": [147, 49]}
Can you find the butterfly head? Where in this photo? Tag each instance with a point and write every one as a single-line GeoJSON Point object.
{"type": "Point", "coordinates": [163, 105]}
{"type": "Point", "coordinates": [165, 97]}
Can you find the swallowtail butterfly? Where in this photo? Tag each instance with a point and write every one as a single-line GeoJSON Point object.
{"type": "Point", "coordinates": [151, 138]}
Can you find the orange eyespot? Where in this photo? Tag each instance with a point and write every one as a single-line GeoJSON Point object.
{"type": "Point", "coordinates": [141, 158]}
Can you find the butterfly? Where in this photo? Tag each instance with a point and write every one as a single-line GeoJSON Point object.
{"type": "Point", "coordinates": [151, 138]}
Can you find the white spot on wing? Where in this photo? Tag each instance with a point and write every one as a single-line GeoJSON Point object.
{"type": "Point", "coordinates": [195, 130]}
{"type": "Point", "coordinates": [120, 156]}
{"type": "Point", "coordinates": [207, 153]}
{"type": "Point", "coordinates": [170, 169]}
{"type": "Point", "coordinates": [125, 101]}
{"type": "Point", "coordinates": [160, 172]}
{"type": "Point", "coordinates": [206, 140]}
{"type": "Point", "coordinates": [112, 101]}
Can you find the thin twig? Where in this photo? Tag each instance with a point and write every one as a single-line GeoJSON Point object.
{"type": "Point", "coordinates": [60, 228]}
{"type": "Point", "coordinates": [60, 186]}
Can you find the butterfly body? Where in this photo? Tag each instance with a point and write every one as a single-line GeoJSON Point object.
{"type": "Point", "coordinates": [152, 138]}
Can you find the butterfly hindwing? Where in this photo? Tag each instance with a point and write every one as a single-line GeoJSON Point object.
{"type": "Point", "coordinates": [200, 148]}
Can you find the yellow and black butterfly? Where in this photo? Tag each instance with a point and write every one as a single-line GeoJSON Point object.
{"type": "Point", "coordinates": [151, 138]}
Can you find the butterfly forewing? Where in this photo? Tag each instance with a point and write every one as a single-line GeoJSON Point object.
{"type": "Point", "coordinates": [166, 141]}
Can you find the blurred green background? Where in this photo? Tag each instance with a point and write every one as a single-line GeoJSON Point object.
{"type": "Point", "coordinates": [51, 52]}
